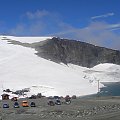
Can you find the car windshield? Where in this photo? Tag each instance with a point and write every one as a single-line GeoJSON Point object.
{"type": "Point", "coordinates": [32, 103]}
{"type": "Point", "coordinates": [16, 103]}
{"type": "Point", "coordinates": [5, 104]}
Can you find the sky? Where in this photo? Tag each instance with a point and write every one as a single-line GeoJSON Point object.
{"type": "Point", "coordinates": [93, 21]}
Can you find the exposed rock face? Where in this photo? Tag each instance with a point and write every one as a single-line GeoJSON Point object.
{"type": "Point", "coordinates": [76, 52]}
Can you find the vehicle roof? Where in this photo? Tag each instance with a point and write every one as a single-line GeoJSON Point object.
{"type": "Point", "coordinates": [24, 101]}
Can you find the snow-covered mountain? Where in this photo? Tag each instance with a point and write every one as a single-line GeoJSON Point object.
{"type": "Point", "coordinates": [21, 68]}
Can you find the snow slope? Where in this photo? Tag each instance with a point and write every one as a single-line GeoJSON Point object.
{"type": "Point", "coordinates": [26, 39]}
{"type": "Point", "coordinates": [20, 68]}
{"type": "Point", "coordinates": [104, 72]}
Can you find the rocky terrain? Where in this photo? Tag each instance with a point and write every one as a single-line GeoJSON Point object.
{"type": "Point", "coordinates": [76, 52]}
{"type": "Point", "coordinates": [97, 108]}
{"type": "Point", "coordinates": [72, 51]}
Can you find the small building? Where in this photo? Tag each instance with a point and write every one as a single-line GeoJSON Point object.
{"type": "Point", "coordinates": [5, 97]}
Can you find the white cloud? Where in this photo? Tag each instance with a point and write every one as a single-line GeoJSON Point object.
{"type": "Point", "coordinates": [37, 14]}
{"type": "Point", "coordinates": [44, 23]}
{"type": "Point", "coordinates": [19, 29]}
{"type": "Point", "coordinates": [97, 33]}
{"type": "Point", "coordinates": [102, 16]}
{"type": "Point", "coordinates": [113, 27]}
{"type": "Point", "coordinates": [38, 23]}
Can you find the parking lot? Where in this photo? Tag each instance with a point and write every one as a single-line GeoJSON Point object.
{"type": "Point", "coordinates": [79, 109]}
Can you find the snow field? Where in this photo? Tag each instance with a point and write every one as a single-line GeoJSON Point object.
{"type": "Point", "coordinates": [20, 68]}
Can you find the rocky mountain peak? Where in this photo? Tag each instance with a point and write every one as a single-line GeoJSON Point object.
{"type": "Point", "coordinates": [76, 52]}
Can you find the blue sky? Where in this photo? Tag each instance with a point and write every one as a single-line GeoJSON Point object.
{"type": "Point", "coordinates": [92, 21]}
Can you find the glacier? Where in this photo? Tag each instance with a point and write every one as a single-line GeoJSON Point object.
{"type": "Point", "coordinates": [21, 68]}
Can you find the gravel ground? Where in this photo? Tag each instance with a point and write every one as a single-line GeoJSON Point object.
{"type": "Point", "coordinates": [100, 108]}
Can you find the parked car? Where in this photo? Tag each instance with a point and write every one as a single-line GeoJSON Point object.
{"type": "Point", "coordinates": [32, 104]}
{"type": "Point", "coordinates": [57, 102]}
{"type": "Point", "coordinates": [16, 105]}
{"type": "Point", "coordinates": [51, 103]}
{"type": "Point", "coordinates": [67, 99]}
{"type": "Point", "coordinates": [56, 97]}
{"type": "Point", "coordinates": [5, 105]}
{"type": "Point", "coordinates": [25, 104]}
{"type": "Point", "coordinates": [74, 97]}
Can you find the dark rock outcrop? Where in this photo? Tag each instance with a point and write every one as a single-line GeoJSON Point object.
{"type": "Point", "coordinates": [76, 52]}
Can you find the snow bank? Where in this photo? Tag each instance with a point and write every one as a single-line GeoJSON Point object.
{"type": "Point", "coordinates": [20, 68]}
{"type": "Point", "coordinates": [26, 39]}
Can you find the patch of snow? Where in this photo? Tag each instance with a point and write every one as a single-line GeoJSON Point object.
{"type": "Point", "coordinates": [103, 67]}
{"type": "Point", "coordinates": [106, 72]}
{"type": "Point", "coordinates": [20, 68]}
{"type": "Point", "coordinates": [26, 39]}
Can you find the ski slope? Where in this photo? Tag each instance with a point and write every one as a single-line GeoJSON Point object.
{"type": "Point", "coordinates": [20, 68]}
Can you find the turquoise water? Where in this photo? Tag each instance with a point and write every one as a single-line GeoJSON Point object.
{"type": "Point", "coordinates": [110, 89]}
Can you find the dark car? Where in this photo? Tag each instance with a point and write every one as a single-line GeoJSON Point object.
{"type": "Point", "coordinates": [5, 105]}
{"type": "Point", "coordinates": [51, 103]}
{"type": "Point", "coordinates": [32, 104]}
{"type": "Point", "coordinates": [16, 105]}
{"type": "Point", "coordinates": [56, 97]}
{"type": "Point", "coordinates": [67, 99]}
{"type": "Point", "coordinates": [58, 102]}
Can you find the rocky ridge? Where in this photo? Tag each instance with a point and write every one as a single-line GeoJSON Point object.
{"type": "Point", "coordinates": [76, 52]}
